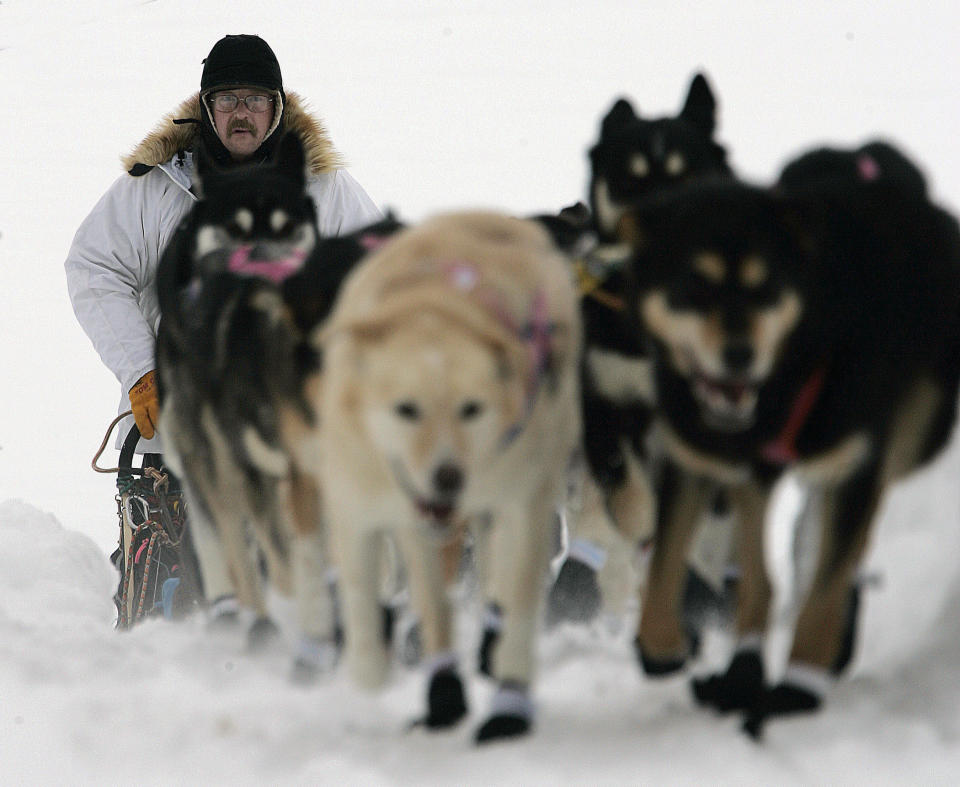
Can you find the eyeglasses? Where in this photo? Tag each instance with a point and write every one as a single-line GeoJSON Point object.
{"type": "Point", "coordinates": [227, 102]}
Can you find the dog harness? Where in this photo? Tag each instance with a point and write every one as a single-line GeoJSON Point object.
{"type": "Point", "coordinates": [273, 270]}
{"type": "Point", "coordinates": [782, 450]}
{"type": "Point", "coordinates": [594, 267]}
{"type": "Point", "coordinates": [535, 332]}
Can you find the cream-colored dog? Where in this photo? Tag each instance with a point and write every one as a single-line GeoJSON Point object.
{"type": "Point", "coordinates": [451, 393]}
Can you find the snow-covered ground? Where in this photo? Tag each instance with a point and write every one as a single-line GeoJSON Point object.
{"type": "Point", "coordinates": [435, 105]}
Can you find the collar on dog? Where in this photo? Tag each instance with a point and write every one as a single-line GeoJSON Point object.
{"type": "Point", "coordinates": [782, 450]}
{"type": "Point", "coordinates": [275, 271]}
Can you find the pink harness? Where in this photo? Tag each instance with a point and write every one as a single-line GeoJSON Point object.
{"type": "Point", "coordinates": [275, 271]}
{"type": "Point", "coordinates": [536, 332]}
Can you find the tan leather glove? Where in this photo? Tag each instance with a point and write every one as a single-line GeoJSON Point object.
{"type": "Point", "coordinates": [145, 405]}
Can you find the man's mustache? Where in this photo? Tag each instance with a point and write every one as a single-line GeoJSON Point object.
{"type": "Point", "coordinates": [240, 123]}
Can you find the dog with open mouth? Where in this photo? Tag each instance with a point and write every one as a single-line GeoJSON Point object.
{"type": "Point", "coordinates": [450, 394]}
{"type": "Point", "coordinates": [815, 328]}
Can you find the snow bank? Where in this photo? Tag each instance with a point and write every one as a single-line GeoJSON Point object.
{"type": "Point", "coordinates": [169, 704]}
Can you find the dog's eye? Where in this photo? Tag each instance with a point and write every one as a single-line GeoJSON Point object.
{"type": "Point", "coordinates": [470, 410]}
{"type": "Point", "coordinates": [280, 222]}
{"type": "Point", "coordinates": [639, 166]}
{"type": "Point", "coordinates": [675, 164]}
{"type": "Point", "coordinates": [241, 223]}
{"type": "Point", "coordinates": [408, 411]}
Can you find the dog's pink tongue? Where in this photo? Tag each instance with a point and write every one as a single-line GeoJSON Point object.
{"type": "Point", "coordinates": [439, 512]}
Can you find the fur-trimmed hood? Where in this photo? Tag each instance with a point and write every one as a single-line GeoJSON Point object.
{"type": "Point", "coordinates": [168, 138]}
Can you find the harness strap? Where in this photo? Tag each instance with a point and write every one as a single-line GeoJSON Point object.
{"type": "Point", "coordinates": [782, 450]}
{"type": "Point", "coordinates": [276, 271]}
{"type": "Point", "coordinates": [594, 268]}
{"type": "Point", "coordinates": [537, 334]}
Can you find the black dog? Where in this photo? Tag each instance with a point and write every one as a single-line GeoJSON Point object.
{"type": "Point", "coordinates": [634, 161]}
{"type": "Point", "coordinates": [814, 326]}
{"type": "Point", "coordinates": [241, 286]}
{"type": "Point", "coordinates": [876, 160]}
{"type": "Point", "coordinates": [637, 157]}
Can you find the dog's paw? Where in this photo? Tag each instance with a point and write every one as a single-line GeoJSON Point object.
{"type": "Point", "coordinates": [262, 635]}
{"type": "Point", "coordinates": [314, 659]}
{"type": "Point", "coordinates": [736, 689]}
{"type": "Point", "coordinates": [223, 616]}
{"type": "Point", "coordinates": [782, 700]}
{"type": "Point", "coordinates": [511, 714]}
{"type": "Point", "coordinates": [446, 703]}
{"type": "Point", "coordinates": [500, 727]}
{"type": "Point", "coordinates": [575, 595]}
{"type": "Point", "coordinates": [408, 639]}
{"type": "Point", "coordinates": [657, 667]}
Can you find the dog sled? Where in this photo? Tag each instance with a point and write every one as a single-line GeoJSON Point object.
{"type": "Point", "coordinates": [159, 574]}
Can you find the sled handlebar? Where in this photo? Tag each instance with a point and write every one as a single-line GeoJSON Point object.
{"type": "Point", "coordinates": [126, 452]}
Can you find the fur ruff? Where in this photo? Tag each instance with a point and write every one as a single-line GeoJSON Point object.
{"type": "Point", "coordinates": [168, 138]}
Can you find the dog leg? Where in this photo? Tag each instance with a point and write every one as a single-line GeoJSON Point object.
{"type": "Point", "coordinates": [262, 632]}
{"type": "Point", "coordinates": [358, 551]}
{"type": "Point", "coordinates": [519, 553]}
{"type": "Point", "coordinates": [821, 627]}
{"type": "Point", "coordinates": [427, 578]}
{"type": "Point", "coordinates": [739, 687]}
{"type": "Point", "coordinates": [425, 574]}
{"type": "Point", "coordinates": [218, 589]}
{"type": "Point", "coordinates": [597, 560]}
{"type": "Point", "coordinates": [316, 649]}
{"type": "Point", "coordinates": [661, 643]}
{"type": "Point", "coordinates": [632, 504]}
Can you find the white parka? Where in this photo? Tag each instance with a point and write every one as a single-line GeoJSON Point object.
{"type": "Point", "coordinates": [112, 263]}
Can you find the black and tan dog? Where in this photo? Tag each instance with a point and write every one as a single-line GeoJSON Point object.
{"type": "Point", "coordinates": [634, 161]}
{"type": "Point", "coordinates": [815, 327]}
{"type": "Point", "coordinates": [242, 283]}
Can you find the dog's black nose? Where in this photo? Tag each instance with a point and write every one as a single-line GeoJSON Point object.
{"type": "Point", "coordinates": [738, 355]}
{"type": "Point", "coordinates": [448, 479]}
{"type": "Point", "coordinates": [261, 251]}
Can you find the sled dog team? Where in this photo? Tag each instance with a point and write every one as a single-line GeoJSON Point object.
{"type": "Point", "coordinates": [675, 349]}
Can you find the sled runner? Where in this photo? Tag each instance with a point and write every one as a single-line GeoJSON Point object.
{"type": "Point", "coordinates": [158, 568]}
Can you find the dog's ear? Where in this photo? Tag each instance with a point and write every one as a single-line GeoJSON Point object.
{"type": "Point", "coordinates": [568, 227]}
{"type": "Point", "coordinates": [290, 159]}
{"type": "Point", "coordinates": [620, 115]}
{"type": "Point", "coordinates": [700, 107]}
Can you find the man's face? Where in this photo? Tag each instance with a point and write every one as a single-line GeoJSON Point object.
{"type": "Point", "coordinates": [241, 130]}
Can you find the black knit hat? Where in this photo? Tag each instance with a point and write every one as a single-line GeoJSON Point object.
{"type": "Point", "coordinates": [241, 60]}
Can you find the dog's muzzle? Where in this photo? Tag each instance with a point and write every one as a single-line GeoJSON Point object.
{"type": "Point", "coordinates": [727, 404]}
{"type": "Point", "coordinates": [438, 506]}
{"type": "Point", "coordinates": [248, 260]}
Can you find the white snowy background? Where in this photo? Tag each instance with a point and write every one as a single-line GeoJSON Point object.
{"type": "Point", "coordinates": [435, 105]}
